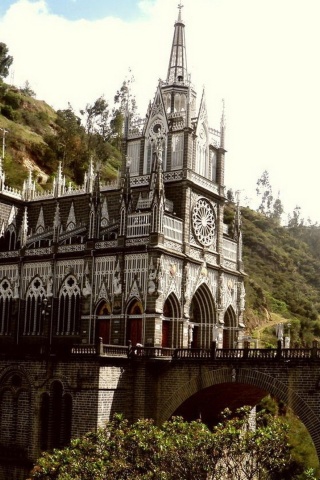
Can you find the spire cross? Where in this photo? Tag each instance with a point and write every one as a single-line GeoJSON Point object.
{"type": "Point", "coordinates": [180, 6]}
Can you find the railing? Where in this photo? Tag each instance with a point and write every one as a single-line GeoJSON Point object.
{"type": "Point", "coordinates": [151, 352]}
{"type": "Point", "coordinates": [249, 353]}
{"type": "Point", "coordinates": [113, 350]}
{"type": "Point", "coordinates": [84, 350]}
{"type": "Point", "coordinates": [230, 249]}
{"type": "Point", "coordinates": [138, 225]}
{"type": "Point", "coordinates": [218, 354]}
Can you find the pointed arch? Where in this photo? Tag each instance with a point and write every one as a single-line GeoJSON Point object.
{"type": "Point", "coordinates": [15, 409]}
{"type": "Point", "coordinates": [172, 324]}
{"type": "Point", "coordinates": [230, 330]}
{"type": "Point", "coordinates": [103, 312]}
{"type": "Point", "coordinates": [134, 330]}
{"type": "Point", "coordinates": [6, 306]}
{"type": "Point", "coordinates": [69, 307]}
{"type": "Point", "coordinates": [55, 417]}
{"type": "Point", "coordinates": [33, 323]}
{"type": "Point", "coordinates": [203, 317]}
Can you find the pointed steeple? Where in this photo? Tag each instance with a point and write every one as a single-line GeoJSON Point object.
{"type": "Point", "coordinates": [59, 182]}
{"type": "Point", "coordinates": [29, 187]}
{"type": "Point", "coordinates": [40, 227]}
{"type": "Point", "coordinates": [89, 177]}
{"type": "Point", "coordinates": [24, 228]}
{"type": "Point", "coordinates": [56, 223]}
{"type": "Point", "coordinates": [156, 193]}
{"type": "Point", "coordinates": [126, 200]}
{"type": "Point", "coordinates": [177, 70]}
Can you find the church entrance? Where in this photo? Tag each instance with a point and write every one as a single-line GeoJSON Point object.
{"type": "Point", "coordinates": [202, 316]}
{"type": "Point", "coordinates": [172, 325]}
{"type": "Point", "coordinates": [230, 332]}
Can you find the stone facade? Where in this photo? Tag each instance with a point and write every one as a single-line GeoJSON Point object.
{"type": "Point", "coordinates": [144, 260]}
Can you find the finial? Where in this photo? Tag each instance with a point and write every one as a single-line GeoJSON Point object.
{"type": "Point", "coordinates": [180, 6]}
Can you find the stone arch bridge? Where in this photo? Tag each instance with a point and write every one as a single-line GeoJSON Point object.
{"type": "Point", "coordinates": [88, 384]}
{"type": "Point", "coordinates": [201, 383]}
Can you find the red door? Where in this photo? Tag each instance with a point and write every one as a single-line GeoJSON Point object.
{"type": "Point", "coordinates": [165, 334]}
{"type": "Point", "coordinates": [134, 333]}
{"type": "Point", "coordinates": [104, 330]}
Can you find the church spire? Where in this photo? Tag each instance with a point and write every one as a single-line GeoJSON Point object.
{"type": "Point", "coordinates": [177, 71]}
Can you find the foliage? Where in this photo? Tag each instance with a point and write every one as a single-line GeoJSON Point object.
{"type": "Point", "coordinates": [5, 60]}
{"type": "Point", "coordinates": [283, 266]}
{"type": "Point", "coordinates": [304, 463]}
{"type": "Point", "coordinates": [177, 449]}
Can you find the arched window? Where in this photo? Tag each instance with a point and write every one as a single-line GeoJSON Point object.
{"type": "Point", "coordinates": [55, 418]}
{"type": "Point", "coordinates": [202, 153]}
{"type": "Point", "coordinates": [6, 299]}
{"type": "Point", "coordinates": [69, 307]}
{"type": "Point", "coordinates": [213, 165]}
{"type": "Point", "coordinates": [177, 151]}
{"type": "Point", "coordinates": [33, 324]}
{"type": "Point", "coordinates": [15, 412]}
{"type": "Point", "coordinates": [150, 150]}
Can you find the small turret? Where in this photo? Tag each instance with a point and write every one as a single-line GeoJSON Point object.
{"type": "Point", "coordinates": [29, 188]}
{"type": "Point", "coordinates": [59, 182]}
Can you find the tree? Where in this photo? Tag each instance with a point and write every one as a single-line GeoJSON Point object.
{"type": "Point", "coordinates": [277, 209]}
{"type": "Point", "coordinates": [177, 449]}
{"type": "Point", "coordinates": [27, 90]}
{"type": "Point", "coordinates": [264, 190]}
{"type": "Point", "coordinates": [248, 451]}
{"type": "Point", "coordinates": [295, 220]}
{"type": "Point", "coordinates": [5, 60]}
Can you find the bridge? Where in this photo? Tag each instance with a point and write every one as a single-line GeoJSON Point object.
{"type": "Point", "coordinates": [88, 384]}
{"type": "Point", "coordinates": [196, 383]}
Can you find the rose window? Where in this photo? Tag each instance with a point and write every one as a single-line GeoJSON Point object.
{"type": "Point", "coordinates": [203, 219]}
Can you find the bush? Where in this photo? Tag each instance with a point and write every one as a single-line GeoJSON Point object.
{"type": "Point", "coordinates": [8, 112]}
{"type": "Point", "coordinates": [12, 99]}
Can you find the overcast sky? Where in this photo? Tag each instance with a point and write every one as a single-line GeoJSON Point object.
{"type": "Point", "coordinates": [261, 56]}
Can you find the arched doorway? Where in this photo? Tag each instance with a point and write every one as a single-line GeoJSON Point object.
{"type": "Point", "coordinates": [230, 330]}
{"type": "Point", "coordinates": [172, 325]}
{"type": "Point", "coordinates": [103, 312]}
{"type": "Point", "coordinates": [134, 322]}
{"type": "Point", "coordinates": [203, 317]}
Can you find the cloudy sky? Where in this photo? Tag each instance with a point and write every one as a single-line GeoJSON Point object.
{"type": "Point", "coordinates": [261, 56]}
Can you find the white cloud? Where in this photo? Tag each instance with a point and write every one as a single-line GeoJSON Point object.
{"type": "Point", "coordinates": [260, 55]}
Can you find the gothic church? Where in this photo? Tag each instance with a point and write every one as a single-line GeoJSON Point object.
{"type": "Point", "coordinates": [87, 274]}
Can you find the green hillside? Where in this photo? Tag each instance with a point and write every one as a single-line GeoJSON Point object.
{"type": "Point", "coordinates": [39, 138]}
{"type": "Point", "coordinates": [283, 283]}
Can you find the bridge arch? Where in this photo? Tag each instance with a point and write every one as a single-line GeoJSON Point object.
{"type": "Point", "coordinates": [247, 384]}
